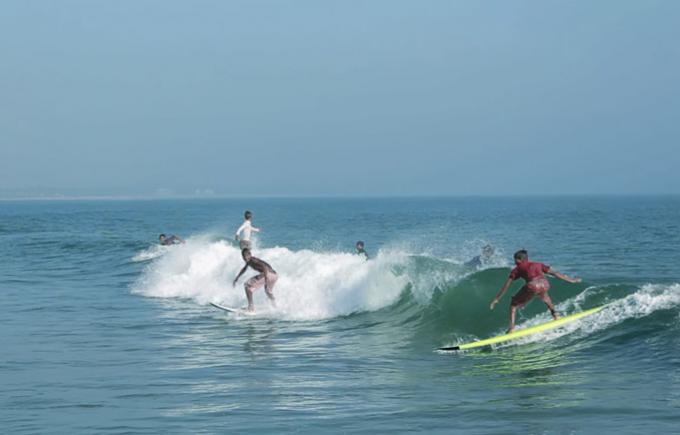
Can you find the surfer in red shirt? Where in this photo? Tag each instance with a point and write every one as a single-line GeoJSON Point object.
{"type": "Point", "coordinates": [536, 285]}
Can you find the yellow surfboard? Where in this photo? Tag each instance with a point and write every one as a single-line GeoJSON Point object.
{"type": "Point", "coordinates": [524, 332]}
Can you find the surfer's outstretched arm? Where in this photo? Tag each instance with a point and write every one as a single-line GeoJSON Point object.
{"type": "Point", "coordinates": [240, 273]}
{"type": "Point", "coordinates": [500, 294]}
{"type": "Point", "coordinates": [563, 277]}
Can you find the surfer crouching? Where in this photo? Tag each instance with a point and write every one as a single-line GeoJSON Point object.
{"type": "Point", "coordinates": [536, 285]}
{"type": "Point", "coordinates": [267, 276]}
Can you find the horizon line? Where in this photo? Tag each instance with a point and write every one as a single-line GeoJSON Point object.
{"type": "Point", "coordinates": [316, 196]}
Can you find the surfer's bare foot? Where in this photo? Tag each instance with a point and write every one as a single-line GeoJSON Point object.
{"type": "Point", "coordinates": [510, 330]}
{"type": "Point", "coordinates": [250, 309]}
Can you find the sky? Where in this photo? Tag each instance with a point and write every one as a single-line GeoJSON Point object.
{"type": "Point", "coordinates": [339, 98]}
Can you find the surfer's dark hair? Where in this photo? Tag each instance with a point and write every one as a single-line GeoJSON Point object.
{"type": "Point", "coordinates": [162, 235]}
{"type": "Point", "coordinates": [521, 255]}
{"type": "Point", "coordinates": [243, 252]}
{"type": "Point", "coordinates": [360, 243]}
{"type": "Point", "coordinates": [247, 214]}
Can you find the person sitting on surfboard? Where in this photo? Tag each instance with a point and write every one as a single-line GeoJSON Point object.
{"type": "Point", "coordinates": [266, 277]}
{"type": "Point", "coordinates": [536, 285]}
{"type": "Point", "coordinates": [167, 241]}
{"type": "Point", "coordinates": [243, 232]}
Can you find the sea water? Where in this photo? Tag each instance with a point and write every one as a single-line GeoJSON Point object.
{"type": "Point", "coordinates": [104, 331]}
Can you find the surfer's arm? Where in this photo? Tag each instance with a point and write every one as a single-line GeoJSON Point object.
{"type": "Point", "coordinates": [240, 273]}
{"type": "Point", "coordinates": [563, 277]}
{"type": "Point", "coordinates": [500, 294]}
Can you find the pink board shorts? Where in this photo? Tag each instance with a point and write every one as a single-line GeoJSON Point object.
{"type": "Point", "coordinates": [538, 287]}
{"type": "Point", "coordinates": [266, 279]}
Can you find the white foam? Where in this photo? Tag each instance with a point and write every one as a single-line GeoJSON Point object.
{"type": "Point", "coordinates": [311, 285]}
{"type": "Point", "coordinates": [649, 299]}
{"type": "Point", "coordinates": [150, 253]}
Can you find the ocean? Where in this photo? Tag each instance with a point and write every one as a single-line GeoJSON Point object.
{"type": "Point", "coordinates": [104, 331]}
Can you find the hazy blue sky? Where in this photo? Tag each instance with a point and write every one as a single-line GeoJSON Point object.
{"type": "Point", "coordinates": [339, 97]}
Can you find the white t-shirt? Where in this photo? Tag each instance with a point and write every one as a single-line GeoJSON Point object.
{"type": "Point", "coordinates": [244, 231]}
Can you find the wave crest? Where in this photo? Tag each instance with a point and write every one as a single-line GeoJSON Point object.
{"type": "Point", "coordinates": [311, 285]}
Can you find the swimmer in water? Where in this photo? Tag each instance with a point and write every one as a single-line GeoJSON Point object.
{"type": "Point", "coordinates": [167, 241]}
{"type": "Point", "coordinates": [361, 250]}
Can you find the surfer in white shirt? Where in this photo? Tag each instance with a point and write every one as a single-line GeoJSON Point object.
{"type": "Point", "coordinates": [244, 231]}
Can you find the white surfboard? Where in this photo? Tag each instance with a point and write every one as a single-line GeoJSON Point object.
{"type": "Point", "coordinates": [233, 310]}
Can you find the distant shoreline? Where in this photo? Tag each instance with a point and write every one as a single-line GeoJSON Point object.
{"type": "Point", "coordinates": [330, 197]}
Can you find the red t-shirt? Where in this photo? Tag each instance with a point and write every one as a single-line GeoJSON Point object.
{"type": "Point", "coordinates": [529, 271]}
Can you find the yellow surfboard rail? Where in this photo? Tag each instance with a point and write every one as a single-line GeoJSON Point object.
{"type": "Point", "coordinates": [524, 332]}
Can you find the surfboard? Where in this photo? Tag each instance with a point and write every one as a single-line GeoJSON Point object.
{"type": "Point", "coordinates": [232, 310]}
{"type": "Point", "coordinates": [524, 332]}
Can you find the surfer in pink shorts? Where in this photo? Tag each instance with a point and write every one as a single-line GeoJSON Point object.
{"type": "Point", "coordinates": [536, 285]}
{"type": "Point", "coordinates": [266, 277]}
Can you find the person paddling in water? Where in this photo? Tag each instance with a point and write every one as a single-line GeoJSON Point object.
{"type": "Point", "coordinates": [536, 285]}
{"type": "Point", "coordinates": [167, 241]}
{"type": "Point", "coordinates": [266, 277]}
